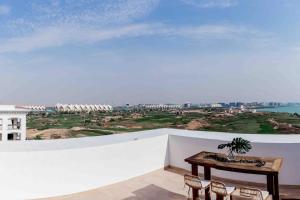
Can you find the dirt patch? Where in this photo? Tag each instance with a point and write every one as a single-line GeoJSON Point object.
{"type": "Point", "coordinates": [134, 127]}
{"type": "Point", "coordinates": [49, 133]}
{"type": "Point", "coordinates": [196, 124]}
{"type": "Point", "coordinates": [284, 127]}
{"type": "Point", "coordinates": [136, 116]}
{"type": "Point", "coordinates": [77, 128]}
{"type": "Point", "coordinates": [195, 111]}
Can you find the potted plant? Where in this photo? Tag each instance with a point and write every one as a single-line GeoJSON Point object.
{"type": "Point", "coordinates": [237, 145]}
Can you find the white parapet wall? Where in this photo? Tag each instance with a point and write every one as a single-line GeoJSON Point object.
{"type": "Point", "coordinates": [44, 172]}
{"type": "Point", "coordinates": [37, 169]}
{"type": "Point", "coordinates": [183, 144]}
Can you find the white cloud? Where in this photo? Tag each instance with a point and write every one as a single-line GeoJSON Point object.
{"type": "Point", "coordinates": [211, 3]}
{"type": "Point", "coordinates": [235, 33]}
{"type": "Point", "coordinates": [4, 9]}
{"type": "Point", "coordinates": [91, 11]}
{"type": "Point", "coordinates": [57, 36]}
{"type": "Point", "coordinates": [54, 23]}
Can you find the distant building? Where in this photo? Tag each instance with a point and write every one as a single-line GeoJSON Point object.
{"type": "Point", "coordinates": [12, 123]}
{"type": "Point", "coordinates": [187, 105]}
{"type": "Point", "coordinates": [35, 108]}
{"type": "Point", "coordinates": [243, 108]}
{"type": "Point", "coordinates": [224, 105]}
{"type": "Point", "coordinates": [216, 105]}
{"type": "Point", "coordinates": [77, 108]}
{"type": "Point", "coordinates": [233, 104]}
{"type": "Point", "coordinates": [274, 104]}
{"type": "Point", "coordinates": [160, 106]}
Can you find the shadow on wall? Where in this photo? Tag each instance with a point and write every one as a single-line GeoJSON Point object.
{"type": "Point", "coordinates": [167, 156]}
{"type": "Point", "coordinates": [153, 192]}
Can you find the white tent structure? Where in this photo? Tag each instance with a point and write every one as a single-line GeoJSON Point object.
{"type": "Point", "coordinates": [36, 108]}
{"type": "Point", "coordinates": [74, 108]}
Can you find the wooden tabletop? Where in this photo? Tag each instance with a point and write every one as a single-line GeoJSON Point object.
{"type": "Point", "coordinates": [207, 159]}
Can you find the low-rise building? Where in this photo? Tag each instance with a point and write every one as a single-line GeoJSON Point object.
{"type": "Point", "coordinates": [77, 108]}
{"type": "Point", "coordinates": [160, 106]}
{"type": "Point", "coordinates": [12, 123]}
{"type": "Point", "coordinates": [216, 105]}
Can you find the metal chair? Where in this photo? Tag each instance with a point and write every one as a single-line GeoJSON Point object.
{"type": "Point", "coordinates": [194, 182]}
{"type": "Point", "coordinates": [221, 190]}
{"type": "Point", "coordinates": [253, 193]}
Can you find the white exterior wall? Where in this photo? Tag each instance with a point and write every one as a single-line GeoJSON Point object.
{"type": "Point", "coordinates": [5, 116]}
{"type": "Point", "coordinates": [35, 169]}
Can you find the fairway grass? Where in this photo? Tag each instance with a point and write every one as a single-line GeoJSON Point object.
{"type": "Point", "coordinates": [97, 124]}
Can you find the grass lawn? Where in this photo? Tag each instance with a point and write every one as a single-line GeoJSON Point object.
{"type": "Point", "coordinates": [94, 124]}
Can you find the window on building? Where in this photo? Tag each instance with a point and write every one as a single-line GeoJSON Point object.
{"type": "Point", "coordinates": [1, 124]}
{"type": "Point", "coordinates": [14, 124]}
{"type": "Point", "coordinates": [14, 136]}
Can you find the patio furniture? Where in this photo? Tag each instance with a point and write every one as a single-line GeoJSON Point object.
{"type": "Point", "coordinates": [246, 193]}
{"type": "Point", "coordinates": [221, 190]}
{"type": "Point", "coordinates": [270, 168]}
{"type": "Point", "coordinates": [194, 182]}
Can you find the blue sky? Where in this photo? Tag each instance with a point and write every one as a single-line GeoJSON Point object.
{"type": "Point", "coordinates": [149, 51]}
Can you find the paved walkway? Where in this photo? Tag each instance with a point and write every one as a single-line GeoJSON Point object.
{"type": "Point", "coordinates": [160, 184]}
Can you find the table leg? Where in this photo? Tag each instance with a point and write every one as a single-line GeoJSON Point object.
{"type": "Point", "coordinates": [270, 184]}
{"type": "Point", "coordinates": [276, 187]}
{"type": "Point", "coordinates": [207, 176]}
{"type": "Point", "coordinates": [195, 173]}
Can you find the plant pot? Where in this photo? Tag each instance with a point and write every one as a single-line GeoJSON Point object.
{"type": "Point", "coordinates": [230, 156]}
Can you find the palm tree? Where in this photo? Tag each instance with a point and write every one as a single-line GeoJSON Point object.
{"type": "Point", "coordinates": [237, 145]}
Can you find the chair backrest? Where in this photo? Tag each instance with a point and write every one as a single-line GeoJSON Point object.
{"type": "Point", "coordinates": [192, 181]}
{"type": "Point", "coordinates": [218, 188]}
{"type": "Point", "coordinates": [251, 193]}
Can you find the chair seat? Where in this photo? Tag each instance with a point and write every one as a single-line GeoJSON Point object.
{"type": "Point", "coordinates": [205, 184]}
{"type": "Point", "coordinates": [236, 195]}
{"type": "Point", "coordinates": [230, 189]}
{"type": "Point", "coordinates": [265, 194]}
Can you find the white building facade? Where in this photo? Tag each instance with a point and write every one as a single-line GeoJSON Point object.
{"type": "Point", "coordinates": [12, 123]}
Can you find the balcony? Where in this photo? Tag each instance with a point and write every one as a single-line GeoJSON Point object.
{"type": "Point", "coordinates": [14, 127]}
{"type": "Point", "coordinates": [130, 166]}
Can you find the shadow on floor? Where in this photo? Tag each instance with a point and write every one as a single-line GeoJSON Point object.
{"type": "Point", "coordinates": [153, 192]}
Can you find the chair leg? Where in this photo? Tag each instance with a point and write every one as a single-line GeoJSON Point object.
{"type": "Point", "coordinates": [220, 197]}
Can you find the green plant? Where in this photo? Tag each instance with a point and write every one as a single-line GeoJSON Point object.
{"type": "Point", "coordinates": [237, 145]}
{"type": "Point", "coordinates": [37, 137]}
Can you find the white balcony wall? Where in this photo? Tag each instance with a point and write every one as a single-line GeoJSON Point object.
{"type": "Point", "coordinates": [185, 144]}
{"type": "Point", "coordinates": [36, 169]}
{"type": "Point", "coordinates": [44, 173]}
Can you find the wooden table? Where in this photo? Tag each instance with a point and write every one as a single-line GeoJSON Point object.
{"type": "Point", "coordinates": [271, 169]}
